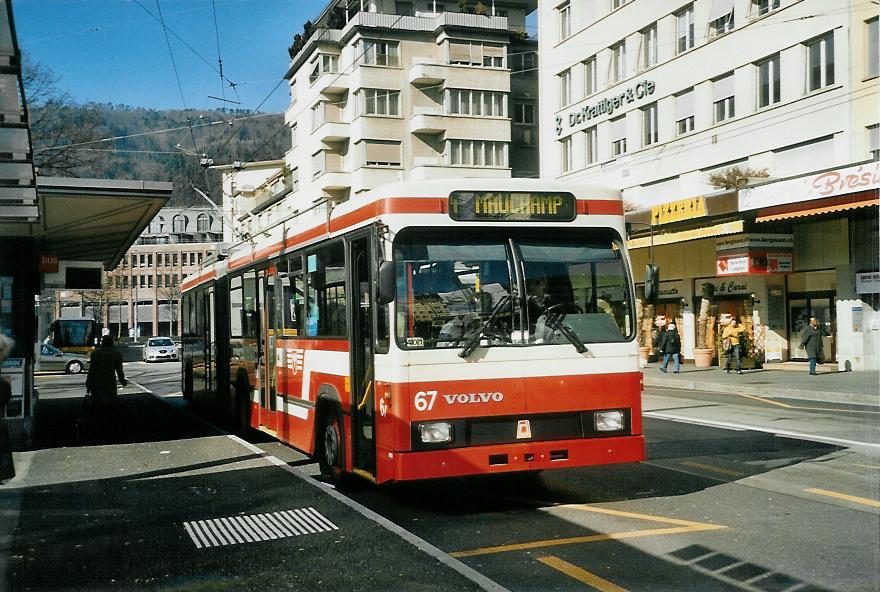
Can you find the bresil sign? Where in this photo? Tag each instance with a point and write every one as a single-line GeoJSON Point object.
{"type": "Point", "coordinates": [605, 107]}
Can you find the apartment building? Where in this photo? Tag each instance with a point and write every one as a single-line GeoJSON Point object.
{"type": "Point", "coordinates": [654, 97]}
{"type": "Point", "coordinates": [384, 91]}
{"type": "Point", "coordinates": [141, 296]}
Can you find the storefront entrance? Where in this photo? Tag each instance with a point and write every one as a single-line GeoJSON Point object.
{"type": "Point", "coordinates": [802, 306]}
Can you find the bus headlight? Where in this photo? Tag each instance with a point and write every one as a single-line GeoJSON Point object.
{"type": "Point", "coordinates": [435, 432]}
{"type": "Point", "coordinates": [608, 421]}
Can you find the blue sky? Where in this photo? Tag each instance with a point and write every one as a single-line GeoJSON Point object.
{"type": "Point", "coordinates": [114, 51]}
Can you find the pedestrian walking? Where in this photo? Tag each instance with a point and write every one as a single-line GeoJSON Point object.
{"type": "Point", "coordinates": [7, 467]}
{"type": "Point", "coordinates": [812, 342]}
{"type": "Point", "coordinates": [105, 366]}
{"type": "Point", "coordinates": [670, 345]}
{"type": "Point", "coordinates": [730, 341]}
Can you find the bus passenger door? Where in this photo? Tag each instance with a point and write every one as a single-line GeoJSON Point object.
{"type": "Point", "coordinates": [266, 365]}
{"type": "Point", "coordinates": [360, 322]}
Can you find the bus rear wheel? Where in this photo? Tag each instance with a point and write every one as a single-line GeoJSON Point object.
{"type": "Point", "coordinates": [330, 445]}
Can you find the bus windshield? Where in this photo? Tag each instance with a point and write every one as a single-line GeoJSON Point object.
{"type": "Point", "coordinates": [505, 288]}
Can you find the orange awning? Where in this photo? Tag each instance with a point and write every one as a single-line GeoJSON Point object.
{"type": "Point", "coordinates": [826, 206]}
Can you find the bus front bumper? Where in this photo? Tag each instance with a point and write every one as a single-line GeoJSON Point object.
{"type": "Point", "coordinates": [505, 458]}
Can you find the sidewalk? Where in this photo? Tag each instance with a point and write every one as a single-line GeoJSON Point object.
{"type": "Point", "coordinates": [790, 380]}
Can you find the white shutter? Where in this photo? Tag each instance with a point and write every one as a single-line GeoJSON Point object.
{"type": "Point", "coordinates": [720, 8]}
{"type": "Point", "coordinates": [459, 52]}
{"type": "Point", "coordinates": [376, 151]}
{"type": "Point", "coordinates": [618, 128]}
{"type": "Point", "coordinates": [684, 105]}
{"type": "Point", "coordinates": [723, 87]}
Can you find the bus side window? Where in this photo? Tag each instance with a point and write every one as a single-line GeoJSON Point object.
{"type": "Point", "coordinates": [293, 296]}
{"type": "Point", "coordinates": [325, 302]}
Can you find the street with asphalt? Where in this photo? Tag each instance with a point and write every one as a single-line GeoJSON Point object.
{"type": "Point", "coordinates": [761, 481]}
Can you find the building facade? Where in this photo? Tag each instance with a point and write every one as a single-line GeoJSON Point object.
{"type": "Point", "coordinates": [744, 135]}
{"type": "Point", "coordinates": [141, 296]}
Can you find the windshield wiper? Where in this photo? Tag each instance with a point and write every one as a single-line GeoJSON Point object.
{"type": "Point", "coordinates": [471, 344]}
{"type": "Point", "coordinates": [554, 321]}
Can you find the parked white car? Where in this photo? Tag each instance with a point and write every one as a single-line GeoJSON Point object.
{"type": "Point", "coordinates": [159, 349]}
{"type": "Point", "coordinates": [52, 358]}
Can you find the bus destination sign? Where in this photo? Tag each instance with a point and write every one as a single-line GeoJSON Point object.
{"type": "Point", "coordinates": [497, 206]}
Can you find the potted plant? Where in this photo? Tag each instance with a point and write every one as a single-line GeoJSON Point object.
{"type": "Point", "coordinates": [703, 352]}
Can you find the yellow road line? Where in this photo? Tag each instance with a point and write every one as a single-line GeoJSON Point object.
{"type": "Point", "coordinates": [713, 469]}
{"type": "Point", "coordinates": [584, 539]}
{"type": "Point", "coordinates": [798, 407]}
{"type": "Point", "coordinates": [624, 514]}
{"type": "Point", "coordinates": [581, 575]}
{"type": "Point", "coordinates": [843, 496]}
{"type": "Point", "coordinates": [770, 401]}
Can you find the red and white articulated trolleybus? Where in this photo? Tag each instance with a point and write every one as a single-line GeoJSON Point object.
{"type": "Point", "coordinates": [429, 329]}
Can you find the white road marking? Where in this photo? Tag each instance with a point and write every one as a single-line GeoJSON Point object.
{"type": "Point", "coordinates": [741, 427]}
{"type": "Point", "coordinates": [143, 388]}
{"type": "Point", "coordinates": [218, 532]}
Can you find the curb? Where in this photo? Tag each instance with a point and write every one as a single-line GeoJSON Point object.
{"type": "Point", "coordinates": [765, 391]}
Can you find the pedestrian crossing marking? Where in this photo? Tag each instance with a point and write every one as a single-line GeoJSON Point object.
{"type": "Point", "coordinates": [253, 528]}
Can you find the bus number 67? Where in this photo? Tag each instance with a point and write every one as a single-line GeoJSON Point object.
{"type": "Point", "coordinates": [425, 400]}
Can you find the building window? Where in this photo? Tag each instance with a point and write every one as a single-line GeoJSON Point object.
{"type": "Point", "coordinates": [615, 4]}
{"type": "Point", "coordinates": [178, 223]}
{"type": "Point", "coordinates": [381, 153]}
{"type": "Point", "coordinates": [873, 47]}
{"type": "Point", "coordinates": [874, 140]}
{"type": "Point", "coordinates": [476, 102]}
{"type": "Point", "coordinates": [564, 21]}
{"type": "Point", "coordinates": [317, 116]}
{"type": "Point", "coordinates": [649, 47]}
{"type": "Point", "coordinates": [618, 62]}
{"type": "Point", "coordinates": [523, 65]}
{"type": "Point", "coordinates": [203, 223]}
{"type": "Point", "coordinates": [318, 163]}
{"type": "Point", "coordinates": [820, 62]}
{"type": "Point", "coordinates": [326, 64]}
{"type": "Point", "coordinates": [649, 125]}
{"type": "Point", "coordinates": [468, 53]}
{"type": "Point", "coordinates": [565, 88]}
{"type": "Point", "coordinates": [294, 180]}
{"type": "Point", "coordinates": [294, 142]}
{"type": "Point", "coordinates": [381, 53]}
{"type": "Point", "coordinates": [381, 102]}
{"type": "Point", "coordinates": [591, 79]}
{"type": "Point", "coordinates": [618, 136]}
{"type": "Point", "coordinates": [721, 18]}
{"type": "Point", "coordinates": [477, 153]}
{"type": "Point", "coordinates": [493, 56]}
{"type": "Point", "coordinates": [724, 100]}
{"type": "Point", "coordinates": [524, 120]}
{"type": "Point", "coordinates": [762, 7]}
{"type": "Point", "coordinates": [591, 145]}
{"type": "Point", "coordinates": [684, 112]}
{"type": "Point", "coordinates": [685, 29]}
{"type": "Point", "coordinates": [156, 225]}
{"type": "Point", "coordinates": [768, 81]}
{"type": "Point", "coordinates": [566, 154]}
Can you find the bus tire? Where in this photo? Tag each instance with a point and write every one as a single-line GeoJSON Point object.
{"type": "Point", "coordinates": [331, 444]}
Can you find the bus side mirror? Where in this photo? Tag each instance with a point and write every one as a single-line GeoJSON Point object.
{"type": "Point", "coordinates": [386, 282]}
{"type": "Point", "coordinates": [652, 282]}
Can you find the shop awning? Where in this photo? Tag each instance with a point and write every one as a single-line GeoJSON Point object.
{"type": "Point", "coordinates": [818, 207]}
{"type": "Point", "coordinates": [668, 238]}
{"type": "Point", "coordinates": [91, 219]}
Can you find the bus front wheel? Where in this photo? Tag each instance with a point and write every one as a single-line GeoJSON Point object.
{"type": "Point", "coordinates": [330, 445]}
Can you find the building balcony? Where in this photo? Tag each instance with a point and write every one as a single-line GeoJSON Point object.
{"type": "Point", "coordinates": [428, 122]}
{"type": "Point", "coordinates": [331, 83]}
{"type": "Point", "coordinates": [365, 178]}
{"type": "Point", "coordinates": [436, 169]}
{"type": "Point", "coordinates": [334, 180]}
{"type": "Point", "coordinates": [427, 73]}
{"type": "Point", "coordinates": [333, 131]}
{"type": "Point", "coordinates": [428, 24]}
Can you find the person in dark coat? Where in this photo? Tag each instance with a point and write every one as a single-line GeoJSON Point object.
{"type": "Point", "coordinates": [812, 342]}
{"type": "Point", "coordinates": [105, 366]}
{"type": "Point", "coordinates": [670, 345]}
{"type": "Point", "coordinates": [7, 466]}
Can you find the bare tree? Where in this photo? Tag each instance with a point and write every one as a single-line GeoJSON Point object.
{"type": "Point", "coordinates": [58, 126]}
